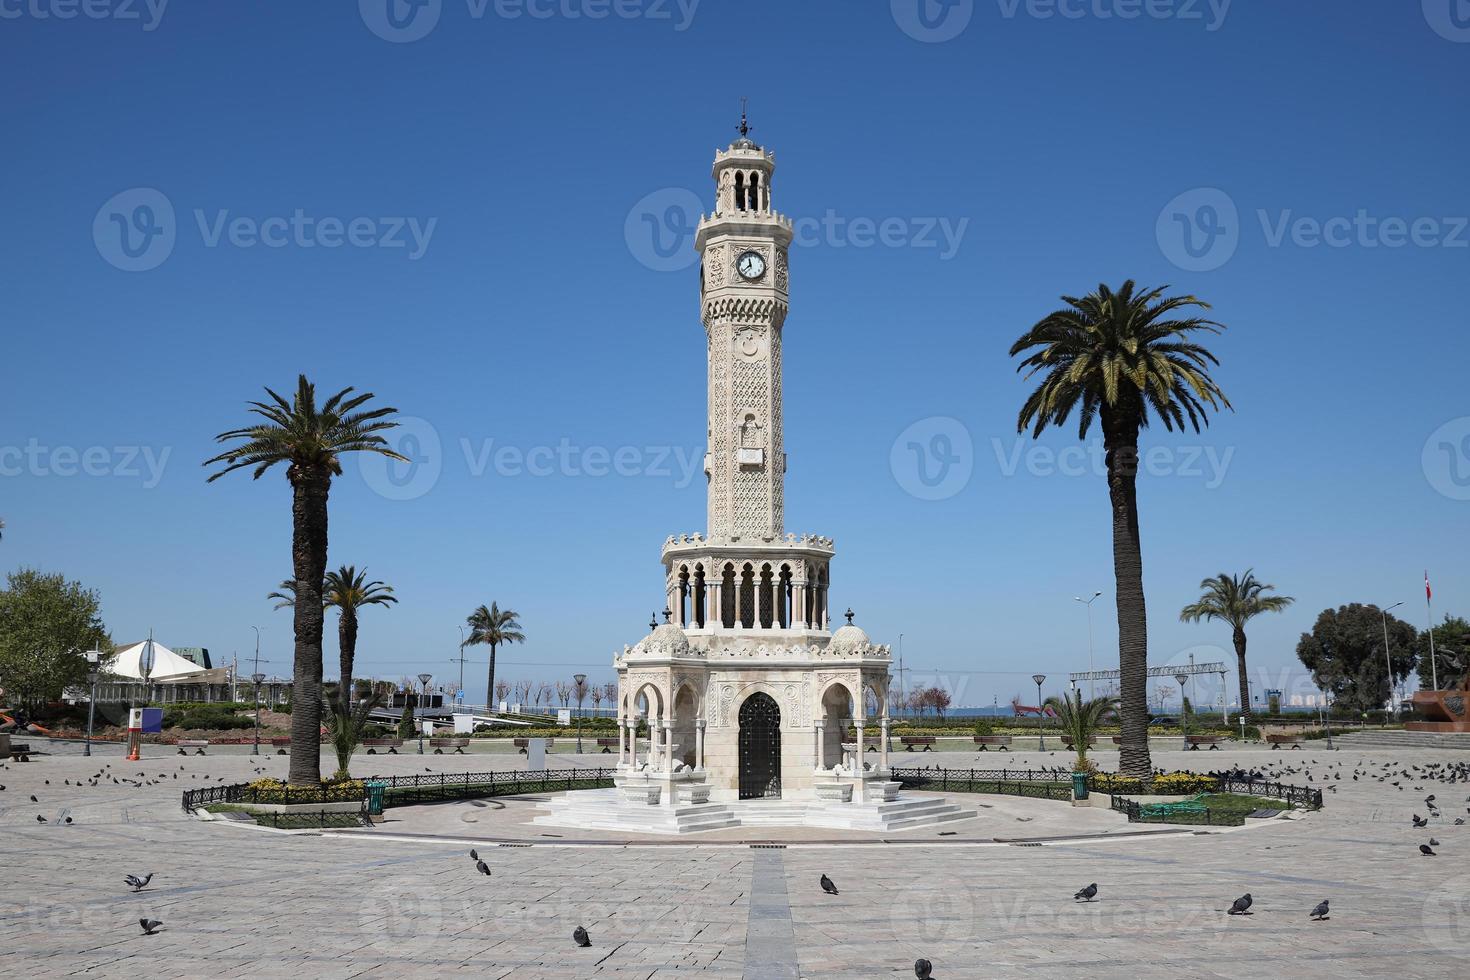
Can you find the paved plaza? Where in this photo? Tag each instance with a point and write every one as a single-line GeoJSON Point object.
{"type": "Point", "coordinates": [405, 899]}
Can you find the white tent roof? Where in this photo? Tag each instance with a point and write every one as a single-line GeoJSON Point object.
{"type": "Point", "coordinates": [166, 663]}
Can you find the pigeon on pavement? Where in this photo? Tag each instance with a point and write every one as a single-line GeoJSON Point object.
{"type": "Point", "coordinates": [827, 886]}
{"type": "Point", "coordinates": [580, 936]}
{"type": "Point", "coordinates": [138, 884]}
{"type": "Point", "coordinates": [1239, 906]}
{"type": "Point", "coordinates": [1087, 894]}
{"type": "Point", "coordinates": [1320, 912]}
{"type": "Point", "coordinates": [149, 925]}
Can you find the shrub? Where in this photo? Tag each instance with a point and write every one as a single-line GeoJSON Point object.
{"type": "Point", "coordinates": [984, 727]}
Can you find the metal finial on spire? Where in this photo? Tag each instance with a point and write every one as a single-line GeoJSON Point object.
{"type": "Point", "coordinates": [653, 622]}
{"type": "Point", "coordinates": [848, 614]}
{"type": "Point", "coordinates": [744, 126]}
{"type": "Point", "coordinates": [667, 615]}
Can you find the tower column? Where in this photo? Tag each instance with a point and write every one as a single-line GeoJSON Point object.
{"type": "Point", "coordinates": [699, 744]}
{"type": "Point", "coordinates": [817, 727]}
{"type": "Point", "coordinates": [798, 604]}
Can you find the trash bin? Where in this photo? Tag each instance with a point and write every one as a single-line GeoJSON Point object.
{"type": "Point", "coordinates": [1079, 785]}
{"type": "Point", "coordinates": [375, 797]}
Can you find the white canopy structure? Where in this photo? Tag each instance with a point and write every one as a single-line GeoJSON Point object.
{"type": "Point", "coordinates": [167, 665]}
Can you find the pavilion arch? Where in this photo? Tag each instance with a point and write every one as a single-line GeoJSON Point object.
{"type": "Point", "coordinates": [686, 714]}
{"type": "Point", "coordinates": [655, 700]}
{"type": "Point", "coordinates": [837, 706]}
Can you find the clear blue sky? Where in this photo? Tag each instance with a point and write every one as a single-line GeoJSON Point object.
{"type": "Point", "coordinates": [536, 317]}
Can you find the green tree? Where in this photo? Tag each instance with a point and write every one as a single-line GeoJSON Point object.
{"type": "Point", "coordinates": [345, 723]}
{"type": "Point", "coordinates": [1451, 653]}
{"type": "Point", "coordinates": [349, 590]}
{"type": "Point", "coordinates": [1080, 720]}
{"type": "Point", "coordinates": [1235, 600]}
{"type": "Point", "coordinates": [492, 627]}
{"type": "Point", "coordinates": [405, 720]}
{"type": "Point", "coordinates": [311, 441]}
{"type": "Point", "coordinates": [1344, 652]}
{"type": "Point", "coordinates": [1119, 359]}
{"type": "Point", "coordinates": [46, 625]}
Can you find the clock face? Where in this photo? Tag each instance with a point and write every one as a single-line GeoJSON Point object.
{"type": "Point", "coordinates": [751, 265]}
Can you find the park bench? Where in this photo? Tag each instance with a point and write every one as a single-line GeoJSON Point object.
{"type": "Point", "coordinates": [1091, 742]}
{"type": "Point", "coordinates": [522, 744]}
{"type": "Point", "coordinates": [1279, 739]}
{"type": "Point", "coordinates": [909, 741]}
{"type": "Point", "coordinates": [457, 744]}
{"type": "Point", "coordinates": [607, 745]}
{"type": "Point", "coordinates": [1193, 742]}
{"type": "Point", "coordinates": [20, 752]}
{"type": "Point", "coordinates": [197, 744]}
{"type": "Point", "coordinates": [281, 744]}
{"type": "Point", "coordinates": [1001, 742]}
{"type": "Point", "coordinates": [1195, 804]}
{"type": "Point", "coordinates": [374, 744]}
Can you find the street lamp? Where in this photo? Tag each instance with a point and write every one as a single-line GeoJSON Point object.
{"type": "Point", "coordinates": [1040, 715]}
{"type": "Point", "coordinates": [1388, 661]}
{"type": "Point", "coordinates": [579, 682]}
{"type": "Point", "coordinates": [94, 657]}
{"type": "Point", "coordinates": [1183, 678]}
{"type": "Point", "coordinates": [257, 678]}
{"type": "Point", "coordinates": [424, 680]}
{"type": "Point", "coordinates": [1088, 603]}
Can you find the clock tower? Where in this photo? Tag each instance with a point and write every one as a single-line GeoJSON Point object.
{"type": "Point", "coordinates": [743, 246]}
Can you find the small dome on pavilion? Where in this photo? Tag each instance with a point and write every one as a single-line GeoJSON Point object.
{"type": "Point", "coordinates": [666, 639]}
{"type": "Point", "coordinates": [849, 637]}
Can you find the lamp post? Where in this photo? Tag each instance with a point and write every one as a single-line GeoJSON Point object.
{"type": "Point", "coordinates": [1183, 678]}
{"type": "Point", "coordinates": [424, 680]}
{"type": "Point", "coordinates": [579, 682]}
{"type": "Point", "coordinates": [257, 678]}
{"type": "Point", "coordinates": [1387, 660]}
{"type": "Point", "coordinates": [1088, 603]}
{"type": "Point", "coordinates": [94, 657]}
{"type": "Point", "coordinates": [1040, 715]}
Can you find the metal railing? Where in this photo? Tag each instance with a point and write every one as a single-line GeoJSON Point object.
{"type": "Point", "coordinates": [404, 790]}
{"type": "Point", "coordinates": [245, 794]}
{"type": "Point", "coordinates": [1045, 784]}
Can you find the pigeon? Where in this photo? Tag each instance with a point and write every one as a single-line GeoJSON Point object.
{"type": "Point", "coordinates": [1320, 912]}
{"type": "Point", "coordinates": [1433, 842]}
{"type": "Point", "coordinates": [33, 798]}
{"type": "Point", "coordinates": [474, 855]}
{"type": "Point", "coordinates": [1087, 894]}
{"type": "Point", "coordinates": [149, 925]}
{"type": "Point", "coordinates": [1425, 850]}
{"type": "Point", "coordinates": [923, 969]}
{"type": "Point", "coordinates": [40, 819]}
{"type": "Point", "coordinates": [579, 935]}
{"type": "Point", "coordinates": [827, 886]}
{"type": "Point", "coordinates": [482, 867]}
{"type": "Point", "coordinates": [138, 884]}
{"type": "Point", "coordinates": [1239, 906]}
{"type": "Point", "coordinates": [1459, 821]}
{"type": "Point", "coordinates": [67, 820]}
{"type": "Point", "coordinates": [1420, 821]}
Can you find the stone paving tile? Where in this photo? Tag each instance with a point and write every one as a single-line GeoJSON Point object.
{"type": "Point", "coordinates": [249, 903]}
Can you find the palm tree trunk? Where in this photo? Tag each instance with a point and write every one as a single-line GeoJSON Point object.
{"type": "Point", "coordinates": [309, 563]}
{"type": "Point", "coordinates": [1120, 441]}
{"type": "Point", "coordinates": [490, 685]}
{"type": "Point", "coordinates": [346, 654]}
{"type": "Point", "coordinates": [1242, 677]}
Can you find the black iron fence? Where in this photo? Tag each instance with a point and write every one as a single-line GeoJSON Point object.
{"type": "Point", "coordinates": [1302, 796]}
{"type": "Point", "coordinates": [436, 787]}
{"type": "Point", "coordinates": [247, 795]}
{"type": "Point", "coordinates": [1044, 784]}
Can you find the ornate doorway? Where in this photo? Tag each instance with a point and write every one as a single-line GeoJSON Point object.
{"type": "Point", "coordinates": [760, 748]}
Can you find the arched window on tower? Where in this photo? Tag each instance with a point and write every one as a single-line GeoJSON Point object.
{"type": "Point", "coordinates": [755, 191]}
{"type": "Point", "coordinates": [740, 191]}
{"type": "Point", "coordinates": [700, 613]}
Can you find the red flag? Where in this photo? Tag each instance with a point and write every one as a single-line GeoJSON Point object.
{"type": "Point", "coordinates": [1427, 594]}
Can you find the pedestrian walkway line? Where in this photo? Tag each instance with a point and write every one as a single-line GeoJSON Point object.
{"type": "Point", "coordinates": [770, 939]}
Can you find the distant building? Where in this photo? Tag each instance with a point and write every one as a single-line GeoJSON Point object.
{"type": "Point", "coordinates": [199, 656]}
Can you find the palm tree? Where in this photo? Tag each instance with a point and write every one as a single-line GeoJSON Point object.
{"type": "Point", "coordinates": [349, 590]}
{"type": "Point", "coordinates": [345, 724]}
{"type": "Point", "coordinates": [1080, 720]}
{"type": "Point", "coordinates": [1235, 599]}
{"type": "Point", "coordinates": [311, 441]}
{"type": "Point", "coordinates": [286, 594]}
{"type": "Point", "coordinates": [492, 627]}
{"type": "Point", "coordinates": [1119, 358]}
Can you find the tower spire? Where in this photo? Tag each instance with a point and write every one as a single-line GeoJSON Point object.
{"type": "Point", "coordinates": [744, 126]}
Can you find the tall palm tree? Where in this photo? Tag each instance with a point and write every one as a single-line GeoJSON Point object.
{"type": "Point", "coordinates": [1236, 600]}
{"type": "Point", "coordinates": [285, 594]}
{"type": "Point", "coordinates": [492, 627]}
{"type": "Point", "coordinates": [1080, 720]}
{"type": "Point", "coordinates": [349, 590]}
{"type": "Point", "coordinates": [1120, 358]}
{"type": "Point", "coordinates": [311, 441]}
